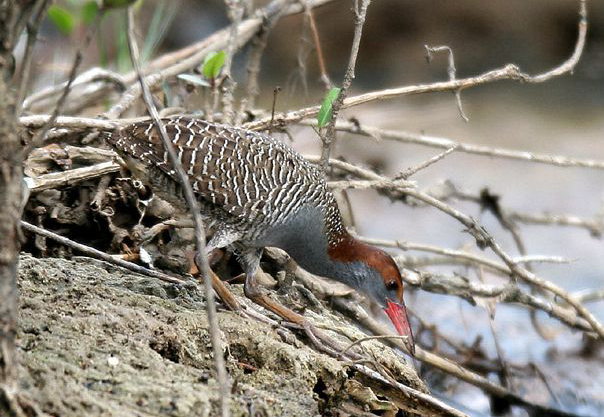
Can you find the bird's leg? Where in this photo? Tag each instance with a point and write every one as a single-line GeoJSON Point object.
{"type": "Point", "coordinates": [214, 257]}
{"type": "Point", "coordinates": [250, 259]}
{"type": "Point", "coordinates": [224, 293]}
{"type": "Point", "coordinates": [222, 238]}
{"type": "Point", "coordinates": [253, 292]}
{"type": "Point", "coordinates": [285, 284]}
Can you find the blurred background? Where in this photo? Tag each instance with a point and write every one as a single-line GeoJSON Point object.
{"type": "Point", "coordinates": [564, 116]}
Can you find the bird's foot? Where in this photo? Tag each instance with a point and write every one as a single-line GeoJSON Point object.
{"type": "Point", "coordinates": [292, 319]}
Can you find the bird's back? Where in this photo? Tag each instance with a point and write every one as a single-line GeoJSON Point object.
{"type": "Point", "coordinates": [242, 178]}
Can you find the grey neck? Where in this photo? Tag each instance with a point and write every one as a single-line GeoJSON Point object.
{"type": "Point", "coordinates": [304, 239]}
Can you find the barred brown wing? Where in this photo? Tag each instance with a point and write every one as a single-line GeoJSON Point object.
{"type": "Point", "coordinates": [250, 176]}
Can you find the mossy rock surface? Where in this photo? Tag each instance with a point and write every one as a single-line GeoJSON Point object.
{"type": "Point", "coordinates": [96, 340]}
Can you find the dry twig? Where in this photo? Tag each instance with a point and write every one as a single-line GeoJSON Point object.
{"type": "Point", "coordinates": [94, 253]}
{"type": "Point", "coordinates": [360, 12]}
{"type": "Point", "coordinates": [310, 18]}
{"type": "Point", "coordinates": [200, 239]}
{"type": "Point", "coordinates": [445, 143]}
{"type": "Point", "coordinates": [451, 70]}
{"type": "Point", "coordinates": [235, 12]}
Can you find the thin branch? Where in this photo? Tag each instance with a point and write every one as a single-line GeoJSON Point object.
{"type": "Point", "coordinates": [461, 255]}
{"type": "Point", "coordinates": [595, 226]}
{"type": "Point", "coordinates": [569, 65]}
{"type": "Point", "coordinates": [201, 257]}
{"type": "Point", "coordinates": [235, 13]}
{"type": "Point", "coordinates": [360, 12]}
{"type": "Point", "coordinates": [310, 17]}
{"type": "Point", "coordinates": [253, 65]}
{"type": "Point", "coordinates": [443, 408]}
{"type": "Point", "coordinates": [445, 143]}
{"type": "Point", "coordinates": [451, 70]}
{"type": "Point", "coordinates": [411, 171]}
{"type": "Point", "coordinates": [97, 254]}
{"type": "Point", "coordinates": [589, 296]}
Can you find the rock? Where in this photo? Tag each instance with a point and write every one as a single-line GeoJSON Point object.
{"type": "Point", "coordinates": [98, 340]}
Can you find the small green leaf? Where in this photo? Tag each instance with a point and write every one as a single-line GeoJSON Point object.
{"type": "Point", "coordinates": [213, 64]}
{"type": "Point", "coordinates": [327, 107]}
{"type": "Point", "coordinates": [193, 79]}
{"type": "Point", "coordinates": [62, 19]}
{"type": "Point", "coordinates": [89, 12]}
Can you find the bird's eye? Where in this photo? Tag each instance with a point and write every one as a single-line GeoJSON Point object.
{"type": "Point", "coordinates": [391, 285]}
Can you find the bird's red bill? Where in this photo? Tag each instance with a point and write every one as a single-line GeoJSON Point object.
{"type": "Point", "coordinates": [398, 316]}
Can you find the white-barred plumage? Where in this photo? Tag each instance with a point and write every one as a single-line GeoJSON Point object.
{"type": "Point", "coordinates": [244, 180]}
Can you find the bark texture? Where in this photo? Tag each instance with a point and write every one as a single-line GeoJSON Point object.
{"type": "Point", "coordinates": [10, 198]}
{"type": "Point", "coordinates": [10, 202]}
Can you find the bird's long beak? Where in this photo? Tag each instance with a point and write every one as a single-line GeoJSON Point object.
{"type": "Point", "coordinates": [398, 316]}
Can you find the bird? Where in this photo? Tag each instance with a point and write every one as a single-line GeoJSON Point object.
{"type": "Point", "coordinates": [255, 191]}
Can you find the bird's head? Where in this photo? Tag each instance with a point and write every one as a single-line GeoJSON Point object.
{"type": "Point", "coordinates": [380, 278]}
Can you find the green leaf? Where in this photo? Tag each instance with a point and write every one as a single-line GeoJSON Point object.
{"type": "Point", "coordinates": [213, 64]}
{"type": "Point", "coordinates": [193, 79]}
{"type": "Point", "coordinates": [109, 4]}
{"type": "Point", "coordinates": [327, 107]}
{"type": "Point", "coordinates": [89, 12]}
{"type": "Point", "coordinates": [62, 19]}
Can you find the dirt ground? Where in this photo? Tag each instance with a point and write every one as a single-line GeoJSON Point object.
{"type": "Point", "coordinates": [97, 340]}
